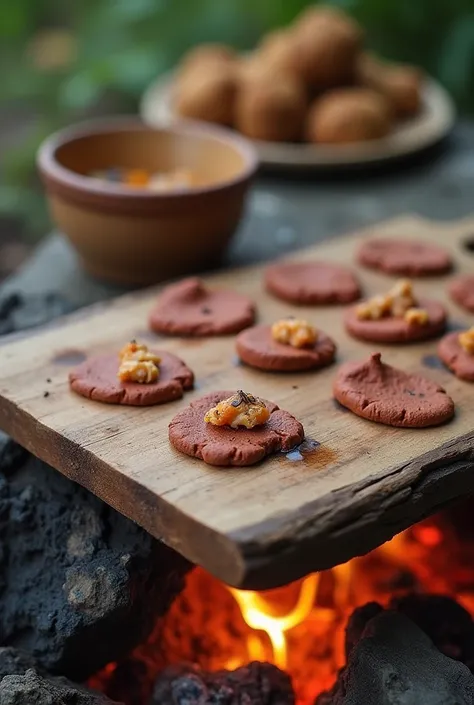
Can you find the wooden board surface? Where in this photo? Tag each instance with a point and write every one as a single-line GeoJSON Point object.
{"type": "Point", "coordinates": [262, 526]}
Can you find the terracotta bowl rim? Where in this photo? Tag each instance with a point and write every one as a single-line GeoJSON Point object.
{"type": "Point", "coordinates": [52, 169]}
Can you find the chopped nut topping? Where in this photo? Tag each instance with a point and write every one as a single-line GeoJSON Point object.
{"type": "Point", "coordinates": [241, 409]}
{"type": "Point", "coordinates": [416, 317]}
{"type": "Point", "coordinates": [137, 364]}
{"type": "Point", "coordinates": [295, 332]}
{"type": "Point", "coordinates": [466, 340]}
{"type": "Point", "coordinates": [395, 303]}
{"type": "Point", "coordinates": [375, 308]}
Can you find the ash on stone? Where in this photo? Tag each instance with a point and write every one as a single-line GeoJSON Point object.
{"type": "Point", "coordinates": [80, 585]}
{"type": "Point", "coordinates": [393, 662]}
{"type": "Point", "coordinates": [255, 684]}
{"type": "Point", "coordinates": [23, 682]}
{"type": "Point", "coordinates": [20, 311]}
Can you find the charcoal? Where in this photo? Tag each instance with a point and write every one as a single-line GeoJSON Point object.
{"type": "Point", "coordinates": [80, 584]}
{"type": "Point", "coordinates": [20, 311]}
{"type": "Point", "coordinates": [449, 626]}
{"type": "Point", "coordinates": [255, 684]}
{"type": "Point", "coordinates": [396, 663]}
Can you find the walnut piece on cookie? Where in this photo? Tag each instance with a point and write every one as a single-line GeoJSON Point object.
{"type": "Point", "coordinates": [466, 340]}
{"type": "Point", "coordinates": [226, 446]}
{"type": "Point", "coordinates": [456, 351]}
{"type": "Point", "coordinates": [240, 409]}
{"type": "Point", "coordinates": [138, 364]}
{"type": "Point", "coordinates": [295, 332]}
{"type": "Point", "coordinates": [399, 302]}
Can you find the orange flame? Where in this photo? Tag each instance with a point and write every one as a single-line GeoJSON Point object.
{"type": "Point", "coordinates": [255, 614]}
{"type": "Point", "coordinates": [300, 627]}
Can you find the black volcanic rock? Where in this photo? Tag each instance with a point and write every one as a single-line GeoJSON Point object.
{"type": "Point", "coordinates": [395, 663]}
{"type": "Point", "coordinates": [255, 684]}
{"type": "Point", "coordinates": [22, 682]}
{"type": "Point", "coordinates": [20, 311]}
{"type": "Point", "coordinates": [16, 663]}
{"type": "Point", "coordinates": [357, 624]}
{"type": "Point", "coordinates": [80, 585]}
{"type": "Point", "coordinates": [449, 626]}
{"type": "Point", "coordinates": [11, 454]}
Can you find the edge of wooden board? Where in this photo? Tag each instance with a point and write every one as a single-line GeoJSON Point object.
{"type": "Point", "coordinates": [277, 551]}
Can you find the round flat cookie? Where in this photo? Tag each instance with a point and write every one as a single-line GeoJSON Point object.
{"type": "Point", "coordinates": [188, 308]}
{"type": "Point", "coordinates": [306, 283]}
{"type": "Point", "coordinates": [455, 357]}
{"type": "Point", "coordinates": [257, 348]}
{"type": "Point", "coordinates": [384, 394]}
{"type": "Point", "coordinates": [225, 446]}
{"type": "Point", "coordinates": [408, 258]}
{"type": "Point", "coordinates": [96, 379]}
{"type": "Point", "coordinates": [461, 290]}
{"type": "Point", "coordinates": [392, 329]}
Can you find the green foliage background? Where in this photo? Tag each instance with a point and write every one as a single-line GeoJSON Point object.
{"type": "Point", "coordinates": [121, 45]}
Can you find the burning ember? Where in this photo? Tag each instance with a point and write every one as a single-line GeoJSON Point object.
{"type": "Point", "coordinates": [300, 627]}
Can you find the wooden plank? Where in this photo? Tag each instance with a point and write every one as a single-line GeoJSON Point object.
{"type": "Point", "coordinates": [263, 526]}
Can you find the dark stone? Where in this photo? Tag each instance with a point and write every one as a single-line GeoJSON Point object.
{"type": "Point", "coordinates": [449, 626]}
{"type": "Point", "coordinates": [11, 454]}
{"type": "Point", "coordinates": [19, 311]}
{"type": "Point", "coordinates": [358, 622]}
{"type": "Point", "coordinates": [395, 663]}
{"type": "Point", "coordinates": [22, 682]}
{"type": "Point", "coordinates": [255, 684]}
{"type": "Point", "coordinates": [80, 585]}
{"type": "Point", "coordinates": [16, 663]}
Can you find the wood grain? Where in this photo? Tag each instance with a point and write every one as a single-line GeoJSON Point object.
{"type": "Point", "coordinates": [263, 526]}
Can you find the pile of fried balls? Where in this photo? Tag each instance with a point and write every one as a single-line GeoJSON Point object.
{"type": "Point", "coordinates": [312, 82]}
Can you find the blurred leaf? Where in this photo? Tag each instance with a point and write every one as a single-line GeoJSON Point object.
{"type": "Point", "coordinates": [121, 45]}
{"type": "Point", "coordinates": [456, 66]}
{"type": "Point", "coordinates": [82, 90]}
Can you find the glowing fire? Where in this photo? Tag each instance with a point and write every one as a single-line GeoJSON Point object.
{"type": "Point", "coordinates": [299, 627]}
{"type": "Point", "coordinates": [256, 614]}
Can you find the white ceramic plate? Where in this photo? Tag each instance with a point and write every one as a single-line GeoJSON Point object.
{"type": "Point", "coordinates": [434, 122]}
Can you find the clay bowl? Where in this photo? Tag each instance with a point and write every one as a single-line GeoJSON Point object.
{"type": "Point", "coordinates": [132, 235]}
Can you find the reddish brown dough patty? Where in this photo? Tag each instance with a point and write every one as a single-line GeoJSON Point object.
{"type": "Point", "coordinates": [96, 379]}
{"type": "Point", "coordinates": [312, 283]}
{"type": "Point", "coordinates": [396, 330]}
{"type": "Point", "coordinates": [222, 445]}
{"type": "Point", "coordinates": [455, 357]}
{"type": "Point", "coordinates": [408, 258]}
{"type": "Point", "coordinates": [257, 347]}
{"type": "Point", "coordinates": [384, 394]}
{"type": "Point", "coordinates": [461, 290]}
{"type": "Point", "coordinates": [189, 308]}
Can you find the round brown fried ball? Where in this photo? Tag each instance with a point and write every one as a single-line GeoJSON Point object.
{"type": "Point", "coordinates": [313, 14]}
{"type": "Point", "coordinates": [271, 109]}
{"type": "Point", "coordinates": [208, 94]}
{"type": "Point", "coordinates": [205, 54]}
{"type": "Point", "coordinates": [327, 45]}
{"type": "Point", "coordinates": [279, 51]}
{"type": "Point", "coordinates": [348, 115]}
{"type": "Point", "coordinates": [400, 84]}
